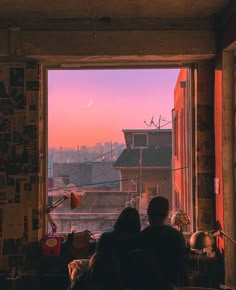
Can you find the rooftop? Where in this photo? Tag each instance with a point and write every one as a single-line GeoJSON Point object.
{"type": "Point", "coordinates": [160, 156]}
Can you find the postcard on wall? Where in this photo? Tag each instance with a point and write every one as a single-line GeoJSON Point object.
{"type": "Point", "coordinates": [30, 132]}
{"type": "Point", "coordinates": [16, 76]}
{"type": "Point", "coordinates": [32, 85]}
{"type": "Point", "coordinates": [32, 107]}
{"type": "Point", "coordinates": [26, 199]}
{"type": "Point", "coordinates": [18, 97]}
{"type": "Point", "coordinates": [31, 117]}
{"type": "Point", "coordinates": [32, 100]}
{"type": "Point", "coordinates": [19, 189]}
{"type": "Point", "coordinates": [11, 195]}
{"type": "Point", "coordinates": [14, 222]}
{"type": "Point", "coordinates": [32, 74]}
{"type": "Point", "coordinates": [6, 108]}
{"type": "Point", "coordinates": [11, 188]}
{"type": "Point", "coordinates": [30, 196]}
{"type": "Point", "coordinates": [32, 70]}
{"type": "Point", "coordinates": [36, 219]}
{"type": "Point", "coordinates": [3, 72]}
{"type": "Point", "coordinates": [5, 125]}
{"type": "Point", "coordinates": [13, 215]}
{"type": "Point", "coordinates": [18, 122]}
{"type": "Point", "coordinates": [3, 197]}
{"type": "Point", "coordinates": [11, 181]}
{"type": "Point", "coordinates": [3, 181]}
{"type": "Point", "coordinates": [3, 90]}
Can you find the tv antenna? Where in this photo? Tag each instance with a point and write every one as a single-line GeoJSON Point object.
{"type": "Point", "coordinates": [158, 124]}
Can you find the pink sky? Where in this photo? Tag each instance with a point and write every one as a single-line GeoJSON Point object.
{"type": "Point", "coordinates": [121, 99]}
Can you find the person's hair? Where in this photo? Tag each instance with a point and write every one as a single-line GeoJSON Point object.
{"type": "Point", "coordinates": [158, 207]}
{"type": "Point", "coordinates": [128, 220]}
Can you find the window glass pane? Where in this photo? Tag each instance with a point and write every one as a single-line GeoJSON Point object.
{"type": "Point", "coordinates": [140, 140]}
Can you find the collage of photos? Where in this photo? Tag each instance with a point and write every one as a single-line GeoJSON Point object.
{"type": "Point", "coordinates": [19, 166]}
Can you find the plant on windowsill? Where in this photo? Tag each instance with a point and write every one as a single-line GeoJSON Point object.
{"type": "Point", "coordinates": [179, 219]}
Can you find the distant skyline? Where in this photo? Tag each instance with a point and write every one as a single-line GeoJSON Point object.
{"type": "Point", "coordinates": [90, 106]}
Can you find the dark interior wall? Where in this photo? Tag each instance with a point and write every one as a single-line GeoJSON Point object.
{"type": "Point", "coordinates": [20, 180]}
{"type": "Point", "coordinates": [218, 150]}
{"type": "Point", "coordinates": [204, 136]}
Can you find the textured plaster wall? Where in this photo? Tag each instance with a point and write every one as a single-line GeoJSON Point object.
{"type": "Point", "coordinates": [20, 201]}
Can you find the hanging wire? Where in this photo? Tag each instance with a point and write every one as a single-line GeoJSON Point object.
{"type": "Point", "coordinates": [112, 181]}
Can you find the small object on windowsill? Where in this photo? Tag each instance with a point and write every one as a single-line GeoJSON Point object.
{"type": "Point", "coordinates": [51, 243]}
{"type": "Point", "coordinates": [200, 241]}
{"type": "Point", "coordinates": [12, 276]}
{"type": "Point", "coordinates": [179, 219]}
{"type": "Point", "coordinates": [225, 287]}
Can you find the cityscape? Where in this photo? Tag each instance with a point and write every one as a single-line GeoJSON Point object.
{"type": "Point", "coordinates": [109, 175]}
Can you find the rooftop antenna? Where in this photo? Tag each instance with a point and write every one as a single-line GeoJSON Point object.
{"type": "Point", "coordinates": [157, 125]}
{"type": "Point", "coordinates": [150, 123]}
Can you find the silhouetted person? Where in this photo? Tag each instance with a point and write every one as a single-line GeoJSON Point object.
{"type": "Point", "coordinates": [163, 245]}
{"type": "Point", "coordinates": [107, 264]}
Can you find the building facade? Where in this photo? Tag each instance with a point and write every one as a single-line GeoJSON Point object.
{"type": "Point", "coordinates": [145, 165]}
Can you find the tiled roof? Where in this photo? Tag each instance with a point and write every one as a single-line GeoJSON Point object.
{"type": "Point", "coordinates": [151, 157]}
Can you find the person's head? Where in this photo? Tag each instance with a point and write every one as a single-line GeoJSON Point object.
{"type": "Point", "coordinates": [158, 209]}
{"type": "Point", "coordinates": [74, 229]}
{"type": "Point", "coordinates": [128, 220]}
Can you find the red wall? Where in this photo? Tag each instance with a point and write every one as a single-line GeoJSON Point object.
{"type": "Point", "coordinates": [218, 150]}
{"type": "Point", "coordinates": [179, 200]}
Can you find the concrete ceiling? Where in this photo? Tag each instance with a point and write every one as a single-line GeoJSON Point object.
{"type": "Point", "coordinates": [22, 9]}
{"type": "Point", "coordinates": [141, 32]}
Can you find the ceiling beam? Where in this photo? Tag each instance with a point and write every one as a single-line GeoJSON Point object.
{"type": "Point", "coordinates": [164, 44]}
{"type": "Point", "coordinates": [95, 40]}
{"type": "Point", "coordinates": [110, 23]}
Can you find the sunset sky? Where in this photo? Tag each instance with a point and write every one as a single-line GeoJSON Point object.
{"type": "Point", "coordinates": [90, 106]}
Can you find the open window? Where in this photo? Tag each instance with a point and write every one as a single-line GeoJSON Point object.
{"type": "Point", "coordinates": [102, 103]}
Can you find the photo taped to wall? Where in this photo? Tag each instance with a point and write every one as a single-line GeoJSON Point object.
{"type": "Point", "coordinates": [6, 108]}
{"type": "Point", "coordinates": [3, 181]}
{"type": "Point", "coordinates": [3, 92]}
{"type": "Point", "coordinates": [3, 196]}
{"type": "Point", "coordinates": [18, 98]}
{"type": "Point", "coordinates": [5, 125]}
{"type": "Point", "coordinates": [36, 219]}
{"type": "Point", "coordinates": [16, 77]}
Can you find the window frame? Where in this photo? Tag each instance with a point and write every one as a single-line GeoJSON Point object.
{"type": "Point", "coordinates": [140, 146]}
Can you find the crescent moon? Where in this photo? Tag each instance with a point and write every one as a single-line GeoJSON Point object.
{"type": "Point", "coordinates": [89, 104]}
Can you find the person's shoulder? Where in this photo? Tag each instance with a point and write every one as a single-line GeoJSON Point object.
{"type": "Point", "coordinates": [144, 231]}
{"type": "Point", "coordinates": [172, 230]}
{"type": "Point", "coordinates": [107, 234]}
{"type": "Point", "coordinates": [105, 241]}
{"type": "Point", "coordinates": [175, 234]}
